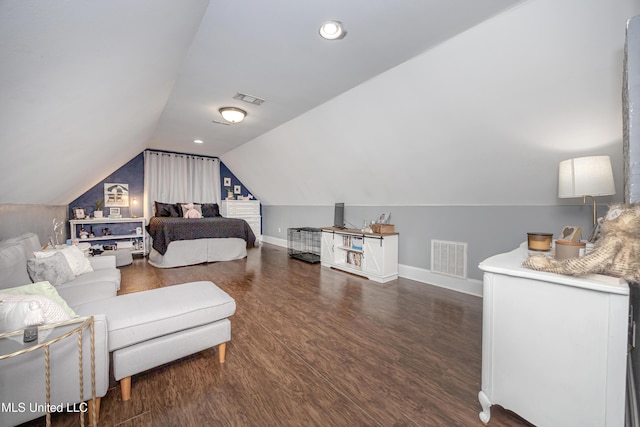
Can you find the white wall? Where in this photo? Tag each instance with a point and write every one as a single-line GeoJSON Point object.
{"type": "Point", "coordinates": [482, 119]}
{"type": "Point", "coordinates": [461, 143]}
{"type": "Point", "coordinates": [39, 219]}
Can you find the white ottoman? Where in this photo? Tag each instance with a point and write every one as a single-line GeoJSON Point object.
{"type": "Point", "coordinates": [123, 256]}
{"type": "Point", "coordinates": [154, 327]}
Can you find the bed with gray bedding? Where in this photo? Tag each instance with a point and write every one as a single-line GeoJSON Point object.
{"type": "Point", "coordinates": [187, 241]}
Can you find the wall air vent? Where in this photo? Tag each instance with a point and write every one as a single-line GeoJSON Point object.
{"type": "Point", "coordinates": [248, 98]}
{"type": "Point", "coordinates": [449, 258]}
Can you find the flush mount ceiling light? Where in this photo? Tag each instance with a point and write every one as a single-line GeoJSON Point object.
{"type": "Point", "coordinates": [232, 114]}
{"type": "Point", "coordinates": [332, 30]}
{"type": "Point", "coordinates": [198, 141]}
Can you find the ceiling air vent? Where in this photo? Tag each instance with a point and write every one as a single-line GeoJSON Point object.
{"type": "Point", "coordinates": [248, 98]}
{"type": "Point", "coordinates": [449, 258]}
{"type": "Point", "coordinates": [220, 123]}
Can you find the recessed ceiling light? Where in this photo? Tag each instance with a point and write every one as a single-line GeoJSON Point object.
{"type": "Point", "coordinates": [332, 30]}
{"type": "Point", "coordinates": [198, 141]}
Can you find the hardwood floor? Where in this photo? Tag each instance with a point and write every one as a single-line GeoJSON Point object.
{"type": "Point", "coordinates": [313, 347]}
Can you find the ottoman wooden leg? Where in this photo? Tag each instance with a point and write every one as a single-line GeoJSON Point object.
{"type": "Point", "coordinates": [222, 348]}
{"type": "Point", "coordinates": [125, 388]}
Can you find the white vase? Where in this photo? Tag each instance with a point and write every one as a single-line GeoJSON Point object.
{"type": "Point", "coordinates": [97, 214]}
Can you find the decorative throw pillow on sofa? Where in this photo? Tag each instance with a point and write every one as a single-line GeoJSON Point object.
{"type": "Point", "coordinates": [18, 311]}
{"type": "Point", "coordinates": [76, 259]}
{"type": "Point", "coordinates": [13, 314]}
{"type": "Point", "coordinates": [54, 269]}
{"type": "Point", "coordinates": [45, 289]}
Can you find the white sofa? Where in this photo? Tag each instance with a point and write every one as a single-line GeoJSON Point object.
{"type": "Point", "coordinates": [142, 330]}
{"type": "Point", "coordinates": [22, 377]}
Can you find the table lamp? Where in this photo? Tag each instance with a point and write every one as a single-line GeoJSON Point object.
{"type": "Point", "coordinates": [134, 203]}
{"type": "Point", "coordinates": [586, 177]}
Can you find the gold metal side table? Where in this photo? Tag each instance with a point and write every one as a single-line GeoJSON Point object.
{"type": "Point", "coordinates": [11, 345]}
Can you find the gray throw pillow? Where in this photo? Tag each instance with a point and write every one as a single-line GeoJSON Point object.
{"type": "Point", "coordinates": [54, 269]}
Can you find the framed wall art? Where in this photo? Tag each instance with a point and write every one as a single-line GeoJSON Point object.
{"type": "Point", "coordinates": [116, 195]}
{"type": "Point", "coordinates": [79, 213]}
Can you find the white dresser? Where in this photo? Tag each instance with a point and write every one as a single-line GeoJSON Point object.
{"type": "Point", "coordinates": [554, 347]}
{"type": "Point", "coordinates": [249, 210]}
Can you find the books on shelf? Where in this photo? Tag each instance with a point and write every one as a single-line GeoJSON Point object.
{"type": "Point", "coordinates": [354, 259]}
{"type": "Point", "coordinates": [352, 242]}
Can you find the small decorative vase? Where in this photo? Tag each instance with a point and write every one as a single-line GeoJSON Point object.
{"type": "Point", "coordinates": [97, 214]}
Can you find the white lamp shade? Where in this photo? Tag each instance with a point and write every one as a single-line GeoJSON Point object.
{"type": "Point", "coordinates": [586, 176]}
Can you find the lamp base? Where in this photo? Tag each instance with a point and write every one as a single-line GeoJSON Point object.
{"type": "Point", "coordinates": [594, 233]}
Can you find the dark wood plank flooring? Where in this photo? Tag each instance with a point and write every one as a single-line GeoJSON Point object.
{"type": "Point", "coordinates": [313, 346]}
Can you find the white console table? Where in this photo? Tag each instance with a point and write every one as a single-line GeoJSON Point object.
{"type": "Point", "coordinates": [554, 347]}
{"type": "Point", "coordinates": [138, 224]}
{"type": "Point", "coordinates": [371, 255]}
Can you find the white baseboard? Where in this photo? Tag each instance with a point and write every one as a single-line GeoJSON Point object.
{"type": "Point", "coordinates": [468, 286]}
{"type": "Point", "coordinates": [274, 241]}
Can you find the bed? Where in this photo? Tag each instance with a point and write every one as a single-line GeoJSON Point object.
{"type": "Point", "coordinates": [179, 241]}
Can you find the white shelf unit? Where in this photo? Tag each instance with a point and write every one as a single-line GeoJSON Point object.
{"type": "Point", "coordinates": [554, 347]}
{"type": "Point", "coordinates": [372, 255]}
{"type": "Point", "coordinates": [77, 224]}
{"type": "Point", "coordinates": [249, 210]}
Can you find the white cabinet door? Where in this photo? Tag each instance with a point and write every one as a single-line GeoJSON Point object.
{"type": "Point", "coordinates": [326, 248]}
{"type": "Point", "coordinates": [373, 262]}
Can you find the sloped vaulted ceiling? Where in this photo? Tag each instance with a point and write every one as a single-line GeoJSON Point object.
{"type": "Point", "coordinates": [482, 119]}
{"type": "Point", "coordinates": [83, 84]}
{"type": "Point", "coordinates": [87, 85]}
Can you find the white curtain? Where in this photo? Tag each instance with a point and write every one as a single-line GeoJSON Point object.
{"type": "Point", "coordinates": [173, 178]}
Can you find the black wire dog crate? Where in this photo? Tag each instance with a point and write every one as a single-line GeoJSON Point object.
{"type": "Point", "coordinates": [304, 244]}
